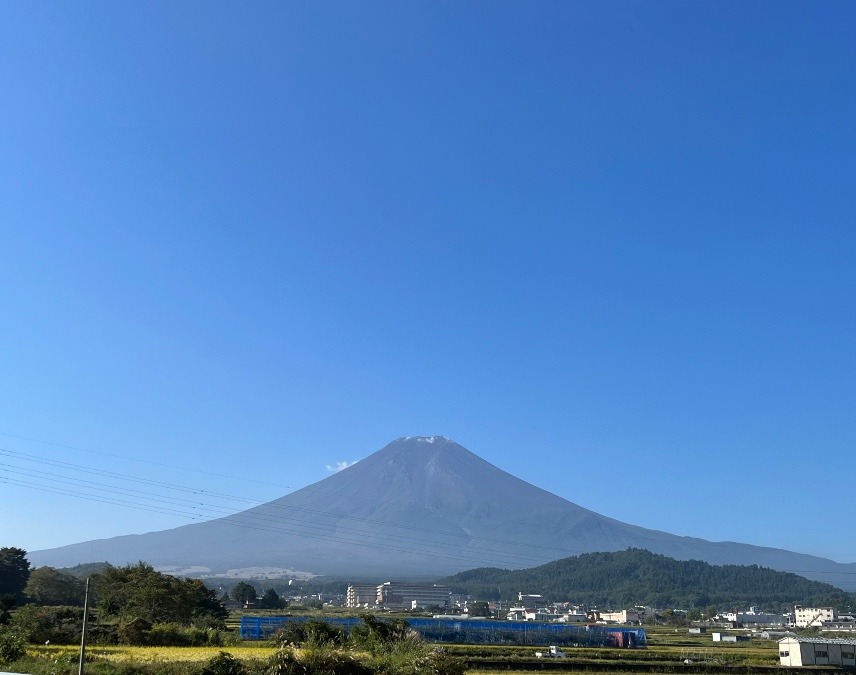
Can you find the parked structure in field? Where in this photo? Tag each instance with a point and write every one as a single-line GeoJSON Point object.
{"type": "Point", "coordinates": [728, 637]}
{"type": "Point", "coordinates": [553, 653]}
{"type": "Point", "coordinates": [807, 617]}
{"type": "Point", "coordinates": [800, 651]}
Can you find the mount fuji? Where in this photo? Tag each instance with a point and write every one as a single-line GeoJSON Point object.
{"type": "Point", "coordinates": [421, 507]}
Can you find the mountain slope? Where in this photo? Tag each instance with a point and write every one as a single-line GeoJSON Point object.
{"type": "Point", "coordinates": [421, 506]}
{"type": "Point", "coordinates": [635, 576]}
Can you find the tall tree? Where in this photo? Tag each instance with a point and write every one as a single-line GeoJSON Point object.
{"type": "Point", "coordinates": [271, 600]}
{"type": "Point", "coordinates": [14, 572]}
{"type": "Point", "coordinates": [244, 593]}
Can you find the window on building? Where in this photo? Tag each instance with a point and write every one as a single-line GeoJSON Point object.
{"type": "Point", "coordinates": [784, 654]}
{"type": "Point", "coordinates": [821, 654]}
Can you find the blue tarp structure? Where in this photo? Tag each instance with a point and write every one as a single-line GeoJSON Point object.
{"type": "Point", "coordinates": [474, 631]}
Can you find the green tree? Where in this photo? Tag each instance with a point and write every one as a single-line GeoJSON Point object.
{"type": "Point", "coordinates": [14, 572]}
{"type": "Point", "coordinates": [7, 604]}
{"type": "Point", "coordinates": [140, 591]}
{"type": "Point", "coordinates": [478, 608]}
{"type": "Point", "coordinates": [271, 600]}
{"type": "Point", "coordinates": [244, 593]}
{"type": "Point", "coordinates": [49, 586]}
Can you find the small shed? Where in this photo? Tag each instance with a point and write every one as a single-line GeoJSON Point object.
{"type": "Point", "coordinates": [802, 651]}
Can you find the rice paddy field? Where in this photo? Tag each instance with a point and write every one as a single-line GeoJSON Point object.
{"type": "Point", "coordinates": [667, 652]}
{"type": "Point", "coordinates": [244, 652]}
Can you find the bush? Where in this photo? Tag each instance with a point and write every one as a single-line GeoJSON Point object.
{"type": "Point", "coordinates": [315, 661]}
{"type": "Point", "coordinates": [415, 657]}
{"type": "Point", "coordinates": [379, 637]}
{"type": "Point", "coordinates": [11, 647]}
{"type": "Point", "coordinates": [223, 664]}
{"type": "Point", "coordinates": [37, 625]}
{"type": "Point", "coordinates": [134, 631]}
{"type": "Point", "coordinates": [312, 633]}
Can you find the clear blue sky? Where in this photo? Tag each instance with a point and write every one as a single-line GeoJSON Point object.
{"type": "Point", "coordinates": [607, 246]}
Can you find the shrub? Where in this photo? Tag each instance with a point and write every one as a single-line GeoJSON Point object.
{"type": "Point", "coordinates": [11, 647]}
{"type": "Point", "coordinates": [223, 664]}
{"type": "Point", "coordinates": [417, 659]}
{"type": "Point", "coordinates": [37, 625]}
{"type": "Point", "coordinates": [379, 637]}
{"type": "Point", "coordinates": [315, 661]}
{"type": "Point", "coordinates": [134, 631]}
{"type": "Point", "coordinates": [312, 633]}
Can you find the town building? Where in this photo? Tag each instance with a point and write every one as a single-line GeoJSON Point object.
{"type": "Point", "coordinates": [807, 617]}
{"type": "Point", "coordinates": [753, 617]}
{"type": "Point", "coordinates": [361, 595]}
{"type": "Point", "coordinates": [625, 616]}
{"type": "Point", "coordinates": [399, 595]}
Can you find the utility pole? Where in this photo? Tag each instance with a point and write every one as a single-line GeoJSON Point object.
{"type": "Point", "coordinates": [83, 632]}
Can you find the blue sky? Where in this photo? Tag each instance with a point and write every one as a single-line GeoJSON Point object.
{"type": "Point", "coordinates": [606, 246]}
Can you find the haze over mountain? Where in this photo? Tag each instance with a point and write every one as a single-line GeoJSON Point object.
{"type": "Point", "coordinates": [419, 507]}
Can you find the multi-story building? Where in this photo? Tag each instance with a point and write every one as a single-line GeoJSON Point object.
{"type": "Point", "coordinates": [394, 594]}
{"type": "Point", "coordinates": [806, 617]}
{"type": "Point", "coordinates": [361, 595]}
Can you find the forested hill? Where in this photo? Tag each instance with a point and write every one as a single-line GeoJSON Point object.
{"type": "Point", "coordinates": [638, 577]}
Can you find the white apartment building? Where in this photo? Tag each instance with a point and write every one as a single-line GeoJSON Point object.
{"type": "Point", "coordinates": [806, 617]}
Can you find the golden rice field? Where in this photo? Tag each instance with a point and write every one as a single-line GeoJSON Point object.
{"type": "Point", "coordinates": [154, 654]}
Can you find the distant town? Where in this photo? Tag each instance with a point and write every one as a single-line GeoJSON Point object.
{"type": "Point", "coordinates": [392, 595]}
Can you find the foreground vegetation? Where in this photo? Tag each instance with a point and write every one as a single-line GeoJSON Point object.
{"type": "Point", "coordinates": [387, 648]}
{"type": "Point", "coordinates": [374, 647]}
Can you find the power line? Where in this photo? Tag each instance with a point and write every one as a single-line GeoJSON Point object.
{"type": "Point", "coordinates": [169, 504]}
{"type": "Point", "coordinates": [201, 510]}
{"type": "Point", "coordinates": [287, 509]}
{"type": "Point", "coordinates": [144, 461]}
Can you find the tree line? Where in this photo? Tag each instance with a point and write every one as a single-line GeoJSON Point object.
{"type": "Point", "coordinates": [133, 604]}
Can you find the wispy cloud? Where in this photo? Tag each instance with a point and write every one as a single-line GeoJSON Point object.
{"type": "Point", "coordinates": [344, 464]}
